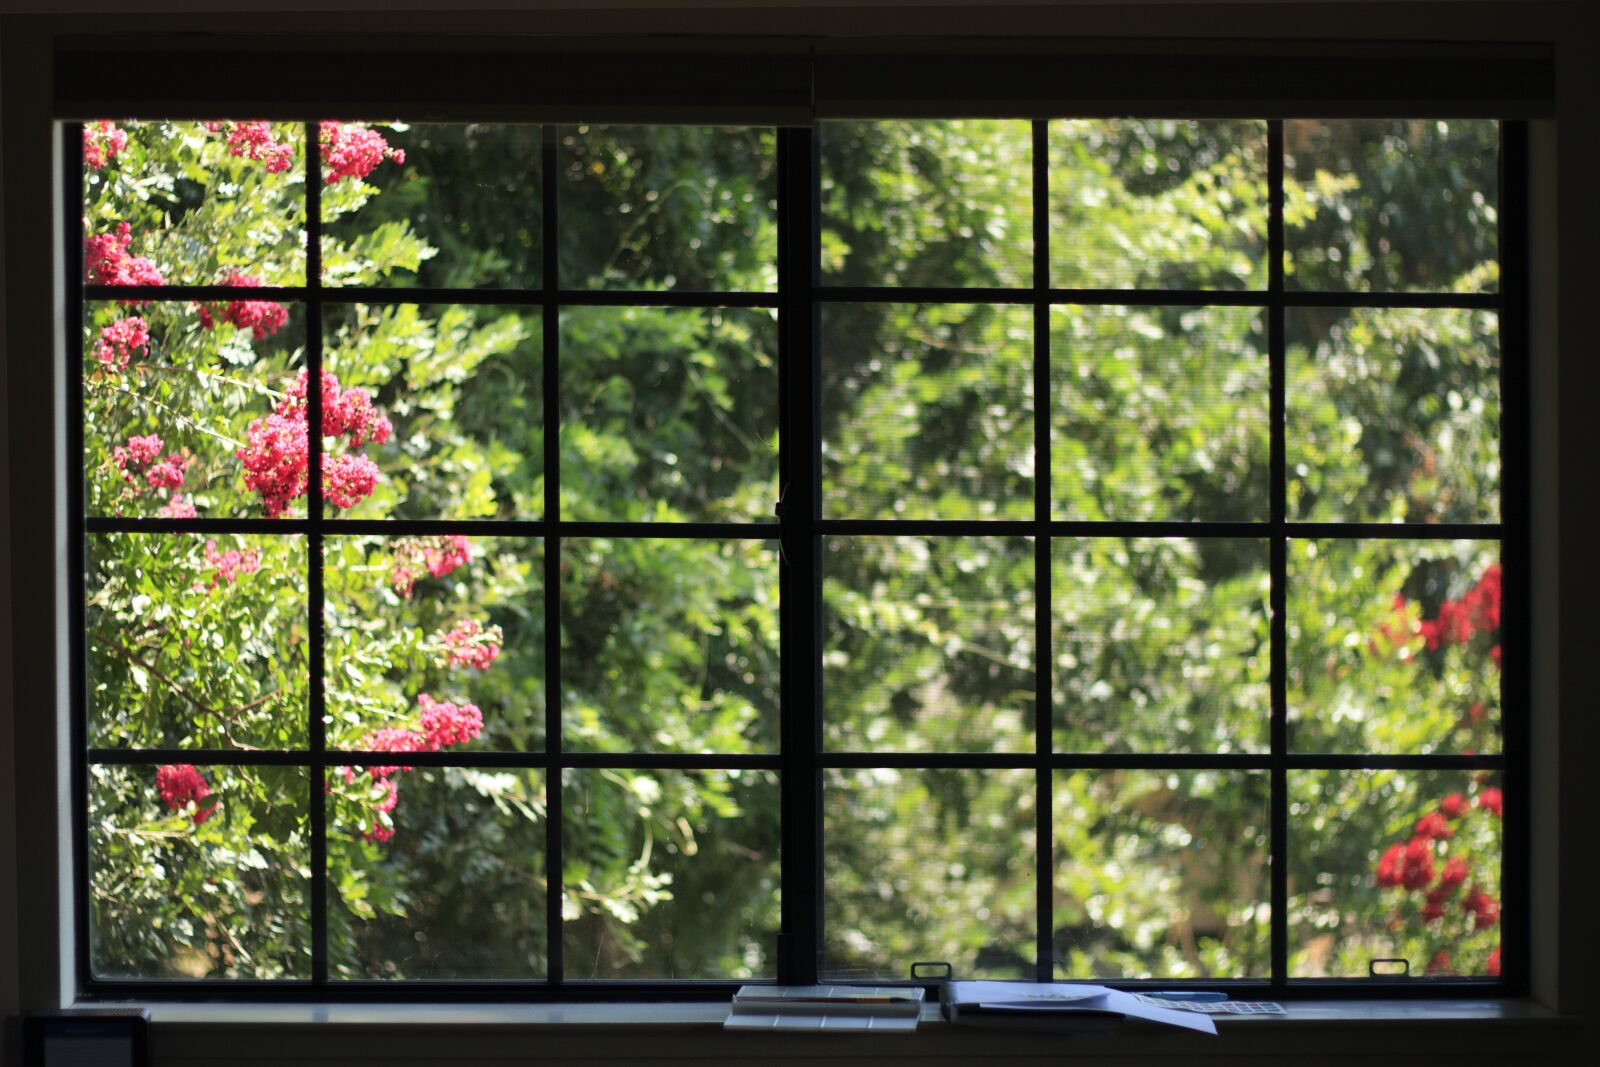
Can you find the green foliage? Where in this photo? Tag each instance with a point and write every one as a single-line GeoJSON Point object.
{"type": "Point", "coordinates": [671, 645]}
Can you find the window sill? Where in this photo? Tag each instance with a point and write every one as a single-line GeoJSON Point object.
{"type": "Point", "coordinates": [313, 1034]}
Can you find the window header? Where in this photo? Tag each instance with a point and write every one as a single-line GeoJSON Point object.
{"type": "Point", "coordinates": [791, 81]}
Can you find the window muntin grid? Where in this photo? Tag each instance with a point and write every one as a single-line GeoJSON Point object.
{"type": "Point", "coordinates": [798, 299]}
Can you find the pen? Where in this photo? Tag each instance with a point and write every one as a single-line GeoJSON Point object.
{"type": "Point", "coordinates": [1194, 995]}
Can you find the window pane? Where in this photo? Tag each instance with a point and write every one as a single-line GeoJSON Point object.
{"type": "Point", "coordinates": [194, 203]}
{"type": "Point", "coordinates": [433, 412]}
{"type": "Point", "coordinates": [928, 865]}
{"type": "Point", "coordinates": [1394, 864]}
{"type": "Point", "coordinates": [669, 414]}
{"type": "Point", "coordinates": [1161, 645]}
{"type": "Point", "coordinates": [670, 874]}
{"type": "Point", "coordinates": [669, 645]}
{"type": "Point", "coordinates": [1159, 413]}
{"type": "Point", "coordinates": [1394, 646]}
{"type": "Point", "coordinates": [180, 410]}
{"type": "Point", "coordinates": [928, 644]}
{"type": "Point", "coordinates": [199, 872]}
{"type": "Point", "coordinates": [927, 411]}
{"type": "Point", "coordinates": [436, 873]}
{"type": "Point", "coordinates": [669, 207]}
{"type": "Point", "coordinates": [1158, 203]}
{"type": "Point", "coordinates": [1162, 875]}
{"type": "Point", "coordinates": [196, 642]}
{"type": "Point", "coordinates": [456, 206]}
{"type": "Point", "coordinates": [943, 203]}
{"type": "Point", "coordinates": [1394, 415]}
{"type": "Point", "coordinates": [1392, 205]}
{"type": "Point", "coordinates": [435, 642]}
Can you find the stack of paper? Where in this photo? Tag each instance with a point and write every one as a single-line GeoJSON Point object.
{"type": "Point", "coordinates": [889, 1009]}
{"type": "Point", "coordinates": [1056, 1006]}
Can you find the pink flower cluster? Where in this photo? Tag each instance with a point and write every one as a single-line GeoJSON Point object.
{"type": "Point", "coordinates": [101, 142]}
{"type": "Point", "coordinates": [439, 556]}
{"type": "Point", "coordinates": [141, 456]}
{"type": "Point", "coordinates": [276, 456]}
{"type": "Point", "coordinates": [228, 566]}
{"type": "Point", "coordinates": [121, 341]}
{"type": "Point", "coordinates": [262, 318]}
{"type": "Point", "coordinates": [106, 260]}
{"type": "Point", "coordinates": [178, 507]}
{"type": "Point", "coordinates": [441, 725]}
{"type": "Point", "coordinates": [469, 644]}
{"type": "Point", "coordinates": [254, 140]}
{"type": "Point", "coordinates": [181, 785]}
{"type": "Point", "coordinates": [353, 151]}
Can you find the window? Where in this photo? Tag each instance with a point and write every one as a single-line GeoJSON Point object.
{"type": "Point", "coordinates": [1124, 599]}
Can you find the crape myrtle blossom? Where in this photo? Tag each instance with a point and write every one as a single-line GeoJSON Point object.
{"type": "Point", "coordinates": [469, 644]}
{"type": "Point", "coordinates": [255, 140]}
{"type": "Point", "coordinates": [182, 785]}
{"type": "Point", "coordinates": [353, 151]}
{"type": "Point", "coordinates": [277, 455]}
{"type": "Point", "coordinates": [228, 566]}
{"type": "Point", "coordinates": [262, 318]}
{"type": "Point", "coordinates": [106, 262]}
{"type": "Point", "coordinates": [121, 341]}
{"type": "Point", "coordinates": [438, 556]}
{"type": "Point", "coordinates": [101, 142]}
{"type": "Point", "coordinates": [440, 725]}
{"type": "Point", "coordinates": [141, 458]}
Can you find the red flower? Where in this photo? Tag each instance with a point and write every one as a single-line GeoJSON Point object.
{"type": "Point", "coordinates": [1491, 799]}
{"type": "Point", "coordinates": [353, 151]}
{"type": "Point", "coordinates": [180, 786]}
{"type": "Point", "coordinates": [1454, 805]}
{"type": "Point", "coordinates": [470, 644]}
{"type": "Point", "coordinates": [106, 261]}
{"type": "Point", "coordinates": [254, 140]}
{"type": "Point", "coordinates": [1418, 870]}
{"type": "Point", "coordinates": [1493, 966]}
{"type": "Point", "coordinates": [121, 341]}
{"type": "Point", "coordinates": [262, 318]}
{"type": "Point", "coordinates": [1440, 964]}
{"type": "Point", "coordinates": [101, 142]}
{"type": "Point", "coordinates": [1432, 912]}
{"type": "Point", "coordinates": [1485, 910]}
{"type": "Point", "coordinates": [444, 725]}
{"type": "Point", "coordinates": [1454, 873]}
{"type": "Point", "coordinates": [1434, 826]}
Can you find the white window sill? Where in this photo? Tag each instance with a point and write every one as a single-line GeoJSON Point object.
{"type": "Point", "coordinates": [311, 1035]}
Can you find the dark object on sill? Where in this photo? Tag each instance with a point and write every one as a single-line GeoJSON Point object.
{"type": "Point", "coordinates": [86, 1037]}
{"type": "Point", "coordinates": [1392, 967]}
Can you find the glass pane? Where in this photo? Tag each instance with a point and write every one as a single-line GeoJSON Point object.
{"type": "Point", "coordinates": [1394, 646]}
{"type": "Point", "coordinates": [1394, 415]}
{"type": "Point", "coordinates": [1159, 413]}
{"type": "Point", "coordinates": [194, 203]}
{"type": "Point", "coordinates": [928, 865]}
{"type": "Point", "coordinates": [928, 644]}
{"type": "Point", "coordinates": [436, 873]}
{"type": "Point", "coordinates": [669, 414]}
{"type": "Point", "coordinates": [435, 642]}
{"type": "Point", "coordinates": [454, 206]}
{"type": "Point", "coordinates": [199, 872]}
{"type": "Point", "coordinates": [196, 642]}
{"type": "Point", "coordinates": [1392, 205]}
{"type": "Point", "coordinates": [433, 412]}
{"type": "Point", "coordinates": [179, 410]}
{"type": "Point", "coordinates": [1394, 864]}
{"type": "Point", "coordinates": [1158, 204]}
{"type": "Point", "coordinates": [1162, 875]}
{"type": "Point", "coordinates": [670, 874]}
{"type": "Point", "coordinates": [669, 207]}
{"type": "Point", "coordinates": [927, 411]}
{"type": "Point", "coordinates": [669, 645]}
{"type": "Point", "coordinates": [1161, 645]}
{"type": "Point", "coordinates": [942, 203]}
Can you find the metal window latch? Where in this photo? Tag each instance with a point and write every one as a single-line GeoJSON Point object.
{"type": "Point", "coordinates": [1391, 967]}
